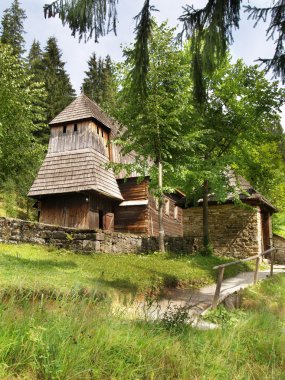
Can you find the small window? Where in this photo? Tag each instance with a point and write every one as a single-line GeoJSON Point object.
{"type": "Point", "coordinates": [102, 133]}
{"type": "Point", "coordinates": [176, 212]}
{"type": "Point", "coordinates": [166, 206]}
{"type": "Point", "coordinates": [64, 128]}
{"type": "Point", "coordinates": [75, 128]}
{"type": "Point", "coordinates": [97, 130]}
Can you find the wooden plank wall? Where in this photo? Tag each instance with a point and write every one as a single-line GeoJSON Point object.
{"type": "Point", "coordinates": [132, 218]}
{"type": "Point", "coordinates": [144, 219]}
{"type": "Point", "coordinates": [172, 226]}
{"type": "Point", "coordinates": [69, 210]}
{"type": "Point", "coordinates": [102, 204]}
{"type": "Point", "coordinates": [88, 135]}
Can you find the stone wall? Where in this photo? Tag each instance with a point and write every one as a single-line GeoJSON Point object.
{"type": "Point", "coordinates": [234, 230]}
{"type": "Point", "coordinates": [279, 242]}
{"type": "Point", "coordinates": [86, 241]}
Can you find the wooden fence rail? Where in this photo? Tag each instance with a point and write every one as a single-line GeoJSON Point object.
{"type": "Point", "coordinates": [221, 270]}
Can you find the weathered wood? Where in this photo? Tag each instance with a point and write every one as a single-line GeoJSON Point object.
{"type": "Point", "coordinates": [257, 262]}
{"type": "Point", "coordinates": [272, 260]}
{"type": "Point", "coordinates": [244, 260]}
{"type": "Point", "coordinates": [218, 287]}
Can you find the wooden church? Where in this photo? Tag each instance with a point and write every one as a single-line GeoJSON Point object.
{"type": "Point", "coordinates": [74, 187]}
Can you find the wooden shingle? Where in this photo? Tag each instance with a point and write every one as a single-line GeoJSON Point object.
{"type": "Point", "coordinates": [75, 171]}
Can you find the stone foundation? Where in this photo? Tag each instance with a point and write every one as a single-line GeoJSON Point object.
{"type": "Point", "coordinates": [234, 230]}
{"type": "Point", "coordinates": [87, 241]}
{"type": "Point", "coordinates": [279, 242]}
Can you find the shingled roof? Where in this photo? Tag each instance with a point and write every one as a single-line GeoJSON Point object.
{"type": "Point", "coordinates": [241, 187]}
{"type": "Point", "coordinates": [83, 108]}
{"type": "Point", "coordinates": [75, 171]}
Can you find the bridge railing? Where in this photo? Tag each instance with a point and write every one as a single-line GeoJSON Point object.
{"type": "Point", "coordinates": [221, 269]}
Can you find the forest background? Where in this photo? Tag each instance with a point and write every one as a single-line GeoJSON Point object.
{"type": "Point", "coordinates": [35, 86]}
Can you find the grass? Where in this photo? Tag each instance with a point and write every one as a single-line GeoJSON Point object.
{"type": "Point", "coordinates": [41, 268]}
{"type": "Point", "coordinates": [83, 339]}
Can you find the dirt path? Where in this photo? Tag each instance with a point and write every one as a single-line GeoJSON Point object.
{"type": "Point", "coordinates": [200, 300]}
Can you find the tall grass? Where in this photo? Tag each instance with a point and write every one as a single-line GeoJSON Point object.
{"type": "Point", "coordinates": [44, 268]}
{"type": "Point", "coordinates": [79, 338]}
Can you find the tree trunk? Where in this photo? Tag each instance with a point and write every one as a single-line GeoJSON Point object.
{"type": "Point", "coordinates": [160, 210]}
{"type": "Point", "coordinates": [206, 236]}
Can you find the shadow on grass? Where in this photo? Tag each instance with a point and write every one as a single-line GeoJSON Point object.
{"type": "Point", "coordinates": [206, 264]}
{"type": "Point", "coordinates": [121, 284]}
{"type": "Point", "coordinates": [37, 264]}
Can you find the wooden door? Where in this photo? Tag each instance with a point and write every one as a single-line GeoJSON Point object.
{"type": "Point", "coordinates": [265, 220]}
{"type": "Point", "coordinates": [109, 221]}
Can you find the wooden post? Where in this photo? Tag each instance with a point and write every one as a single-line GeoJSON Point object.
{"type": "Point", "coordinates": [256, 270]}
{"type": "Point", "coordinates": [161, 246]}
{"type": "Point", "coordinates": [272, 259]}
{"type": "Point", "coordinates": [218, 288]}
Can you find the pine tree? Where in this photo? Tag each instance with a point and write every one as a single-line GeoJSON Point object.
{"type": "Point", "coordinates": [12, 28]}
{"type": "Point", "coordinates": [57, 82]}
{"type": "Point", "coordinates": [99, 83]}
{"type": "Point", "coordinates": [35, 62]}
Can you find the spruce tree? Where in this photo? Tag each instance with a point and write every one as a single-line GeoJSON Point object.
{"type": "Point", "coordinates": [35, 62]}
{"type": "Point", "coordinates": [12, 28]}
{"type": "Point", "coordinates": [37, 71]}
{"type": "Point", "coordinates": [57, 82]}
{"type": "Point", "coordinates": [99, 83]}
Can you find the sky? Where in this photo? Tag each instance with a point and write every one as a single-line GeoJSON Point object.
{"type": "Point", "coordinates": [249, 43]}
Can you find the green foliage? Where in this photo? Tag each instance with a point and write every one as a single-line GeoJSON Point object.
{"type": "Point", "coordinates": [19, 110]}
{"type": "Point", "coordinates": [87, 18]}
{"type": "Point", "coordinates": [175, 318]}
{"type": "Point", "coordinates": [154, 125]}
{"type": "Point", "coordinates": [208, 250]}
{"type": "Point", "coordinates": [57, 82]}
{"type": "Point", "coordinates": [99, 83]}
{"type": "Point", "coordinates": [12, 28]}
{"type": "Point", "coordinates": [240, 116]}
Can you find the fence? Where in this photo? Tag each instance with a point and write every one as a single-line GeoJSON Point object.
{"type": "Point", "coordinates": [221, 270]}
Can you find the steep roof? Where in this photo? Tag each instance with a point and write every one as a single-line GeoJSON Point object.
{"type": "Point", "coordinates": [74, 171]}
{"type": "Point", "coordinates": [244, 190]}
{"type": "Point", "coordinates": [84, 108]}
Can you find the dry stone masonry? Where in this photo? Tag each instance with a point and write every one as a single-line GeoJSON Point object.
{"type": "Point", "coordinates": [86, 241]}
{"type": "Point", "coordinates": [234, 230]}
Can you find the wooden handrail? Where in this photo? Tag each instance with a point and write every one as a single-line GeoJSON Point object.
{"type": "Point", "coordinates": [221, 269]}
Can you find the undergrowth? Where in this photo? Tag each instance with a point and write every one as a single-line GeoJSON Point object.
{"type": "Point", "coordinates": [82, 339]}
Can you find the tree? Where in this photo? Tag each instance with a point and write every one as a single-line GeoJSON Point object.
{"type": "Point", "coordinates": [35, 62]}
{"type": "Point", "coordinates": [12, 28]}
{"type": "Point", "coordinates": [154, 128]}
{"type": "Point", "coordinates": [213, 24]}
{"type": "Point", "coordinates": [37, 70]}
{"type": "Point", "coordinates": [57, 82]}
{"type": "Point", "coordinates": [241, 109]}
{"type": "Point", "coordinates": [99, 83]}
{"type": "Point", "coordinates": [20, 153]}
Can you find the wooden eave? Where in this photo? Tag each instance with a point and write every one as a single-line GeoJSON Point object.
{"type": "Point", "coordinates": [75, 171]}
{"type": "Point", "coordinates": [83, 108]}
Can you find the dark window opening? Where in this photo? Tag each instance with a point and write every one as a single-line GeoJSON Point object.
{"type": "Point", "coordinates": [97, 130]}
{"type": "Point", "coordinates": [102, 133]}
{"type": "Point", "coordinates": [75, 128]}
{"type": "Point", "coordinates": [101, 223]}
{"type": "Point", "coordinates": [64, 129]}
